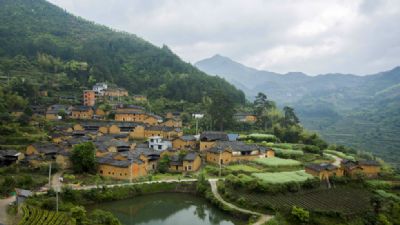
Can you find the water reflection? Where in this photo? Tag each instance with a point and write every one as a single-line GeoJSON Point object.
{"type": "Point", "coordinates": [167, 209]}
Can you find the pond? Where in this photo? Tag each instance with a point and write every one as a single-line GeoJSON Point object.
{"type": "Point", "coordinates": [167, 209]}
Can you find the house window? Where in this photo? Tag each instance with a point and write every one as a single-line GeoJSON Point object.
{"type": "Point", "coordinates": [189, 167]}
{"type": "Point", "coordinates": [101, 171]}
{"type": "Point", "coordinates": [109, 173]}
{"type": "Point", "coordinates": [159, 147]}
{"type": "Point", "coordinates": [176, 167]}
{"type": "Point", "coordinates": [120, 174]}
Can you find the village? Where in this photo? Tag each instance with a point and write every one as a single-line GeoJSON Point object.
{"type": "Point", "coordinates": [130, 142]}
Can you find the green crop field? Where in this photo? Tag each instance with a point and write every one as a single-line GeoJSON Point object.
{"type": "Point", "coordinates": [345, 200]}
{"type": "Point", "coordinates": [243, 167]}
{"type": "Point", "coordinates": [283, 177]}
{"type": "Point", "coordinates": [288, 152]}
{"type": "Point", "coordinates": [38, 216]}
{"type": "Point", "coordinates": [277, 162]}
{"type": "Point", "coordinates": [339, 154]}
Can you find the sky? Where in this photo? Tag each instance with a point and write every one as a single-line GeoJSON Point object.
{"type": "Point", "coordinates": [312, 36]}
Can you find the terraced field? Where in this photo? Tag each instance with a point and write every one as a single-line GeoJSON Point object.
{"type": "Point", "coordinates": [345, 200]}
{"type": "Point", "coordinates": [36, 216]}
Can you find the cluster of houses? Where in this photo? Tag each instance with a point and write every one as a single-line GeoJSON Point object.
{"type": "Point", "coordinates": [349, 168]}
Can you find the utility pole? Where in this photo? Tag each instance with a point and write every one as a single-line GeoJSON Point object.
{"type": "Point", "coordinates": [220, 164]}
{"type": "Point", "coordinates": [57, 200]}
{"type": "Point", "coordinates": [130, 171]}
{"type": "Point", "coordinates": [49, 175]}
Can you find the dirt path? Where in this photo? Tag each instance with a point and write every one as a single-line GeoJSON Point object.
{"type": "Point", "coordinates": [263, 217]}
{"type": "Point", "coordinates": [4, 218]}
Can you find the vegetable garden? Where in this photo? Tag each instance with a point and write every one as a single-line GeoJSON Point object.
{"type": "Point", "coordinates": [277, 162]}
{"type": "Point", "coordinates": [33, 216]}
{"type": "Point", "coordinates": [344, 200]}
{"type": "Point", "coordinates": [283, 177]}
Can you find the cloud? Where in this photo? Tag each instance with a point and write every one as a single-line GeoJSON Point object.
{"type": "Point", "coordinates": [312, 36]}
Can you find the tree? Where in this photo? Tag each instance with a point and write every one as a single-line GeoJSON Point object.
{"type": "Point", "coordinates": [101, 217]}
{"type": "Point", "coordinates": [221, 109]}
{"type": "Point", "coordinates": [383, 220]}
{"type": "Point", "coordinates": [78, 213]}
{"type": "Point", "coordinates": [290, 118]}
{"type": "Point", "coordinates": [83, 158]}
{"type": "Point", "coordinates": [163, 164]}
{"type": "Point", "coordinates": [300, 214]}
{"type": "Point", "coordinates": [261, 108]}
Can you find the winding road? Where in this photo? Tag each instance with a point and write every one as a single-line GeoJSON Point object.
{"type": "Point", "coordinates": [4, 218]}
{"type": "Point", "coordinates": [263, 218]}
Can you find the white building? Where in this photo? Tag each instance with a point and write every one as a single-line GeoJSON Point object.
{"type": "Point", "coordinates": [99, 88]}
{"type": "Point", "coordinates": [157, 143]}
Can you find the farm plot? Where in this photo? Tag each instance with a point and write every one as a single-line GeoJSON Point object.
{"type": "Point", "coordinates": [288, 152]}
{"type": "Point", "coordinates": [277, 162]}
{"type": "Point", "coordinates": [34, 215]}
{"type": "Point", "coordinates": [243, 167]}
{"type": "Point", "coordinates": [345, 200]}
{"type": "Point", "coordinates": [339, 154]}
{"type": "Point", "coordinates": [283, 177]}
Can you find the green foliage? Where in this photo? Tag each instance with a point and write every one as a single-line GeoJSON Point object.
{"type": "Point", "coordinates": [163, 164]}
{"type": "Point", "coordinates": [33, 215]}
{"type": "Point", "coordinates": [300, 214]}
{"type": "Point", "coordinates": [38, 37]}
{"type": "Point", "coordinates": [283, 177]}
{"type": "Point", "coordinates": [101, 217]}
{"type": "Point", "coordinates": [277, 162]}
{"type": "Point", "coordinates": [83, 158]}
{"type": "Point", "coordinates": [221, 110]}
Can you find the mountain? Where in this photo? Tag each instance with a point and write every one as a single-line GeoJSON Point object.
{"type": "Point", "coordinates": [36, 35]}
{"type": "Point", "coordinates": [359, 111]}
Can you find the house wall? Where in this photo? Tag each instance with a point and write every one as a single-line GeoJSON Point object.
{"type": "Point", "coordinates": [226, 157]}
{"type": "Point", "coordinates": [122, 172]}
{"type": "Point", "coordinates": [51, 116]}
{"type": "Point", "coordinates": [132, 117]}
{"type": "Point", "coordinates": [31, 150]}
{"type": "Point", "coordinates": [114, 129]}
{"type": "Point", "coordinates": [195, 164]}
{"type": "Point", "coordinates": [181, 144]}
{"type": "Point", "coordinates": [270, 154]}
{"type": "Point", "coordinates": [63, 161]}
{"type": "Point", "coordinates": [82, 114]}
{"type": "Point", "coordinates": [78, 127]}
{"type": "Point", "coordinates": [204, 145]}
{"type": "Point", "coordinates": [89, 98]}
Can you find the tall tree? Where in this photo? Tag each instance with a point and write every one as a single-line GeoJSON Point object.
{"type": "Point", "coordinates": [290, 118]}
{"type": "Point", "coordinates": [83, 158]}
{"type": "Point", "coordinates": [221, 109]}
{"type": "Point", "coordinates": [261, 108]}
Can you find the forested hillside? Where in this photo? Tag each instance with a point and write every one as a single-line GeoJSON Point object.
{"type": "Point", "coordinates": [41, 41]}
{"type": "Point", "coordinates": [358, 111]}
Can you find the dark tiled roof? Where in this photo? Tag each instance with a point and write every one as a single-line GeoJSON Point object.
{"type": "Point", "coordinates": [188, 138]}
{"type": "Point", "coordinates": [47, 148]}
{"type": "Point", "coordinates": [213, 136]}
{"type": "Point", "coordinates": [233, 146]}
{"type": "Point", "coordinates": [368, 163]}
{"type": "Point", "coordinates": [109, 160]}
{"type": "Point", "coordinates": [6, 153]}
{"type": "Point", "coordinates": [190, 156]}
{"type": "Point", "coordinates": [81, 108]}
{"type": "Point", "coordinates": [320, 167]}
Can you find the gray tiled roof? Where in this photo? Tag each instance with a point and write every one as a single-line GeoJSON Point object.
{"type": "Point", "coordinates": [213, 136]}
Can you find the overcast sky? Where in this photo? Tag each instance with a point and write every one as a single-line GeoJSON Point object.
{"type": "Point", "coordinates": [311, 36]}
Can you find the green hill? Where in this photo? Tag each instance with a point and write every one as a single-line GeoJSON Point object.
{"type": "Point", "coordinates": [87, 52]}
{"type": "Point", "coordinates": [358, 111]}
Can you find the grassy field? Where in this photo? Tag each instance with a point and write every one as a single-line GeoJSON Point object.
{"type": "Point", "coordinates": [283, 177]}
{"type": "Point", "coordinates": [345, 200]}
{"type": "Point", "coordinates": [277, 162]}
{"type": "Point", "coordinates": [243, 167]}
{"type": "Point", "coordinates": [288, 152]}
{"type": "Point", "coordinates": [339, 154]}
